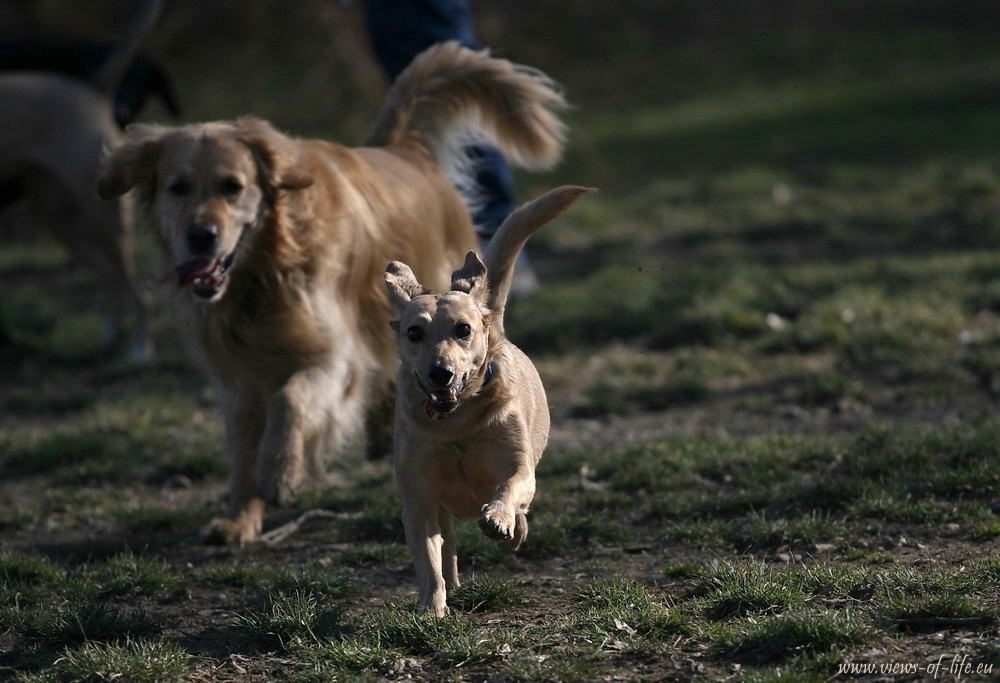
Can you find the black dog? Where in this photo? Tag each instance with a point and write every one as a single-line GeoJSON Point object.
{"type": "Point", "coordinates": [142, 80]}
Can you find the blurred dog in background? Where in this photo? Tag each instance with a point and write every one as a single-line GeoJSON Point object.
{"type": "Point", "coordinates": [142, 80]}
{"type": "Point", "coordinates": [53, 130]}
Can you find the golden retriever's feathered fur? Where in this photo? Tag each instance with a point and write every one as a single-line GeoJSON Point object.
{"type": "Point", "coordinates": [279, 245]}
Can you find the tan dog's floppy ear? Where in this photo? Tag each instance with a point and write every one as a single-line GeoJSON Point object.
{"type": "Point", "coordinates": [402, 286]}
{"type": "Point", "coordinates": [471, 277]}
{"type": "Point", "coordinates": [275, 154]}
{"type": "Point", "coordinates": [132, 163]}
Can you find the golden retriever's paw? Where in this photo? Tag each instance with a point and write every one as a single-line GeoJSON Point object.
{"type": "Point", "coordinates": [224, 531]}
{"type": "Point", "coordinates": [278, 491]}
{"type": "Point", "coordinates": [497, 524]}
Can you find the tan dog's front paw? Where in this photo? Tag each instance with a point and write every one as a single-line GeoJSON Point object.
{"type": "Point", "coordinates": [497, 524]}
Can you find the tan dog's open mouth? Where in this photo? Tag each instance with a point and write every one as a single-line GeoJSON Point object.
{"type": "Point", "coordinates": [207, 277]}
{"type": "Point", "coordinates": [445, 400]}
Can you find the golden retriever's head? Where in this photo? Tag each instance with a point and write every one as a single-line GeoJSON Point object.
{"type": "Point", "coordinates": [444, 339]}
{"type": "Point", "coordinates": [207, 190]}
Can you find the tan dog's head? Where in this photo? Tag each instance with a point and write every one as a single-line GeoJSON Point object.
{"type": "Point", "coordinates": [205, 188]}
{"type": "Point", "coordinates": [444, 339]}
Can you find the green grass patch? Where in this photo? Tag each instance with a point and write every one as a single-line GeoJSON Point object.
{"type": "Point", "coordinates": [79, 622]}
{"type": "Point", "coordinates": [781, 637]}
{"type": "Point", "coordinates": [485, 594]}
{"type": "Point", "coordinates": [749, 588]}
{"type": "Point", "coordinates": [136, 661]}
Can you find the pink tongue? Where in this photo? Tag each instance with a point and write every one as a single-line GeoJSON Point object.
{"type": "Point", "coordinates": [189, 271]}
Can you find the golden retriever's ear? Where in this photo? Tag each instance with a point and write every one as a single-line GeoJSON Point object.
{"type": "Point", "coordinates": [471, 277]}
{"type": "Point", "coordinates": [132, 163]}
{"type": "Point", "coordinates": [275, 153]}
{"type": "Point", "coordinates": [402, 286]}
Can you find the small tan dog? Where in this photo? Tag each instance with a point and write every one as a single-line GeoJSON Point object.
{"type": "Point", "coordinates": [471, 414]}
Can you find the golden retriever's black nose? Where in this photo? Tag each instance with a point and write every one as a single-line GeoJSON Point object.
{"type": "Point", "coordinates": [440, 375]}
{"type": "Point", "coordinates": [201, 237]}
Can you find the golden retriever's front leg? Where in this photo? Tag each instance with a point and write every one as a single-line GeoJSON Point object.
{"type": "Point", "coordinates": [280, 459]}
{"type": "Point", "coordinates": [424, 536]}
{"type": "Point", "coordinates": [311, 402]}
{"type": "Point", "coordinates": [244, 419]}
{"type": "Point", "coordinates": [504, 517]}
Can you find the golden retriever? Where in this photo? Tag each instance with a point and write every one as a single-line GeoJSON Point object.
{"type": "Point", "coordinates": [278, 245]}
{"type": "Point", "coordinates": [471, 414]}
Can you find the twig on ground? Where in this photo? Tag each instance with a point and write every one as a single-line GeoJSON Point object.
{"type": "Point", "coordinates": [279, 534]}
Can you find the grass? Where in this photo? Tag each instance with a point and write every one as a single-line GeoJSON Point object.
{"type": "Point", "coordinates": [138, 661]}
{"type": "Point", "coordinates": [779, 638]}
{"type": "Point", "coordinates": [770, 347]}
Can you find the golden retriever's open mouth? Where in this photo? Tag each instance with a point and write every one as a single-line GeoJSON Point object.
{"type": "Point", "coordinates": [207, 277]}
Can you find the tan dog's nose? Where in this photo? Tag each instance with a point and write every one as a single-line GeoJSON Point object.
{"type": "Point", "coordinates": [440, 375]}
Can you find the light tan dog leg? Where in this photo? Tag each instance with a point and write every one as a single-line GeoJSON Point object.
{"type": "Point", "coordinates": [449, 549]}
{"type": "Point", "coordinates": [423, 535]}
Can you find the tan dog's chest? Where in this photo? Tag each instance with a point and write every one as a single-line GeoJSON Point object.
{"type": "Point", "coordinates": [465, 477]}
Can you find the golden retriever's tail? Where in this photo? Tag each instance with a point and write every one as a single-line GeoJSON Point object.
{"type": "Point", "coordinates": [450, 96]}
{"type": "Point", "coordinates": [506, 244]}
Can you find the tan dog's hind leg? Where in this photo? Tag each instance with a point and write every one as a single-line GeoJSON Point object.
{"type": "Point", "coordinates": [449, 549]}
{"type": "Point", "coordinates": [424, 536]}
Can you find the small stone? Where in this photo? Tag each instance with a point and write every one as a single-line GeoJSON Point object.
{"type": "Point", "coordinates": [822, 547]}
{"type": "Point", "coordinates": [177, 482]}
{"type": "Point", "coordinates": [775, 322]}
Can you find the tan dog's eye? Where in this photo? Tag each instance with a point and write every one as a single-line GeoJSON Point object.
{"type": "Point", "coordinates": [179, 188]}
{"type": "Point", "coordinates": [230, 187]}
{"type": "Point", "coordinates": [414, 334]}
{"type": "Point", "coordinates": [463, 330]}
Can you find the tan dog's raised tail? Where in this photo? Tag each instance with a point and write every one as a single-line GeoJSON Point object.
{"type": "Point", "coordinates": [471, 414]}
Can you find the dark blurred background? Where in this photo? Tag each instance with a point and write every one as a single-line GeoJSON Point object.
{"type": "Point", "coordinates": [657, 85]}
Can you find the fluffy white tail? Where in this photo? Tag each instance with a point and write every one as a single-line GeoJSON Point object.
{"type": "Point", "coordinates": [450, 96]}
